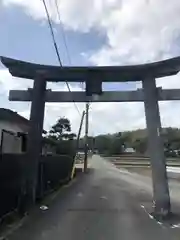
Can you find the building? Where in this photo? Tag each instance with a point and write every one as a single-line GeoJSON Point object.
{"type": "Point", "coordinates": [13, 132]}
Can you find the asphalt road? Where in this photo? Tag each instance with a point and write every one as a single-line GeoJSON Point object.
{"type": "Point", "coordinates": [97, 206]}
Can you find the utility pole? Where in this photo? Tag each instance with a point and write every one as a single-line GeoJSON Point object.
{"type": "Point", "coordinates": [80, 129]}
{"type": "Point", "coordinates": [86, 138]}
{"type": "Point", "coordinates": [93, 145]}
{"type": "Point", "coordinates": [77, 143]}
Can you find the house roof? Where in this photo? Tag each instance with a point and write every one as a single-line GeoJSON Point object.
{"type": "Point", "coordinates": [11, 116]}
{"type": "Point", "coordinates": [80, 74]}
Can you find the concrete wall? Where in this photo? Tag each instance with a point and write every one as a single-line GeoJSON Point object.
{"type": "Point", "coordinates": [11, 143]}
{"type": "Point", "coordinates": [12, 127]}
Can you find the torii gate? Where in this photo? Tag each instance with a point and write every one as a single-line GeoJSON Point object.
{"type": "Point", "coordinates": [93, 77]}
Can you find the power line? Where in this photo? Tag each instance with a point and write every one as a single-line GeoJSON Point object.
{"type": "Point", "coordinates": [64, 37]}
{"type": "Point", "coordinates": [56, 49]}
{"type": "Point", "coordinates": [63, 33]}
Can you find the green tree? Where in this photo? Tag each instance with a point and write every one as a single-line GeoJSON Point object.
{"type": "Point", "coordinates": [116, 145]}
{"type": "Point", "coordinates": [102, 143]}
{"type": "Point", "coordinates": [61, 128]}
{"type": "Point", "coordinates": [140, 145]}
{"type": "Point", "coordinates": [61, 137]}
{"type": "Point", "coordinates": [171, 137]}
{"type": "Point", "coordinates": [138, 139]}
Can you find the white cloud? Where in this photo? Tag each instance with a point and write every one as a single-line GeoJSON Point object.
{"type": "Point", "coordinates": [169, 82]}
{"type": "Point", "coordinates": [33, 7]}
{"type": "Point", "coordinates": [52, 110]}
{"type": "Point", "coordinates": [75, 14]}
{"type": "Point", "coordinates": [140, 32]}
{"type": "Point", "coordinates": [137, 32]}
{"type": "Point", "coordinates": [8, 82]}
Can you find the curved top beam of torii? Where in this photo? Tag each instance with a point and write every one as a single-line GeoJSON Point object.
{"type": "Point", "coordinates": [105, 73]}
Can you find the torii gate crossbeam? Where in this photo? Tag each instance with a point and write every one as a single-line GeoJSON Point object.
{"type": "Point", "coordinates": [110, 96]}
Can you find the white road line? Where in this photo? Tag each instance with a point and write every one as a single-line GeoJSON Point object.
{"type": "Point", "coordinates": [176, 226]}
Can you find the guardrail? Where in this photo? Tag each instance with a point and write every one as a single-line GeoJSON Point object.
{"type": "Point", "coordinates": [129, 160]}
{"type": "Point", "coordinates": [138, 157]}
{"type": "Point", "coordinates": [143, 164]}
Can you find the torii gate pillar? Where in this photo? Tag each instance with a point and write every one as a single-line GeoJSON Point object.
{"type": "Point", "coordinates": [34, 146]}
{"type": "Point", "coordinates": [156, 149]}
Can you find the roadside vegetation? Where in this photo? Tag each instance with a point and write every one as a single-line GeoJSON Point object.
{"type": "Point", "coordinates": [117, 143]}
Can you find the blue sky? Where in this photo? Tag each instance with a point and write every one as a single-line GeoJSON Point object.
{"type": "Point", "coordinates": [25, 38]}
{"type": "Point", "coordinates": [115, 32]}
